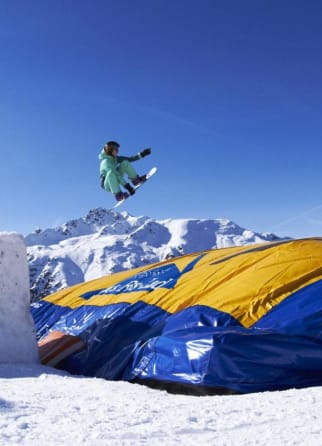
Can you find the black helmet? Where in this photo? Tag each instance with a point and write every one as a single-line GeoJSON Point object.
{"type": "Point", "coordinates": [110, 146]}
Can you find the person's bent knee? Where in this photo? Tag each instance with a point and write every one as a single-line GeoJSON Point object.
{"type": "Point", "coordinates": [124, 164]}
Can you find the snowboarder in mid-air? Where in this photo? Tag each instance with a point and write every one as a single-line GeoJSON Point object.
{"type": "Point", "coordinates": [114, 167]}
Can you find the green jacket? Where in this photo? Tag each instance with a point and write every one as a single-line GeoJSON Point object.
{"type": "Point", "coordinates": [111, 163]}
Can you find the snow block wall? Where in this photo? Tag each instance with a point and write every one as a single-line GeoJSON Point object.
{"type": "Point", "coordinates": [17, 336]}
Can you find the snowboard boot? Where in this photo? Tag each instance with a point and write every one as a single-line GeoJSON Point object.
{"type": "Point", "coordinates": [121, 196]}
{"type": "Point", "coordinates": [129, 188]}
{"type": "Point", "coordinates": [139, 180]}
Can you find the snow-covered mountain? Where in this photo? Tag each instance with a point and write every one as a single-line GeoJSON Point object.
{"type": "Point", "coordinates": [104, 242]}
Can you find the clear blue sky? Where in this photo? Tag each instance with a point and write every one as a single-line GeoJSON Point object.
{"type": "Point", "coordinates": [227, 93]}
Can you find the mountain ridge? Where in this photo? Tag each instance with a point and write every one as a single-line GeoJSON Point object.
{"type": "Point", "coordinates": [104, 242]}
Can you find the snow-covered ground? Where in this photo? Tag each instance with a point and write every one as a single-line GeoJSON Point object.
{"type": "Point", "coordinates": [44, 406]}
{"type": "Point", "coordinates": [41, 406]}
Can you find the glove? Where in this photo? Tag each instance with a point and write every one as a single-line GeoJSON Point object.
{"type": "Point", "coordinates": [129, 188]}
{"type": "Point", "coordinates": [145, 152]}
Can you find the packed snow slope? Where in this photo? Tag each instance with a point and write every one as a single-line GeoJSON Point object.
{"type": "Point", "coordinates": [17, 335]}
{"type": "Point", "coordinates": [105, 242]}
{"type": "Point", "coordinates": [43, 406]}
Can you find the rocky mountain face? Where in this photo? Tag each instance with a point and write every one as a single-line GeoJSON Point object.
{"type": "Point", "coordinates": [104, 242]}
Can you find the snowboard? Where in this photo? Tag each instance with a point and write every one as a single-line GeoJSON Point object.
{"type": "Point", "coordinates": [148, 176]}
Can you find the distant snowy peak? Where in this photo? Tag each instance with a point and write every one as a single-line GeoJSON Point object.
{"type": "Point", "coordinates": [103, 242]}
{"type": "Point", "coordinates": [106, 222]}
{"type": "Point", "coordinates": [97, 220]}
